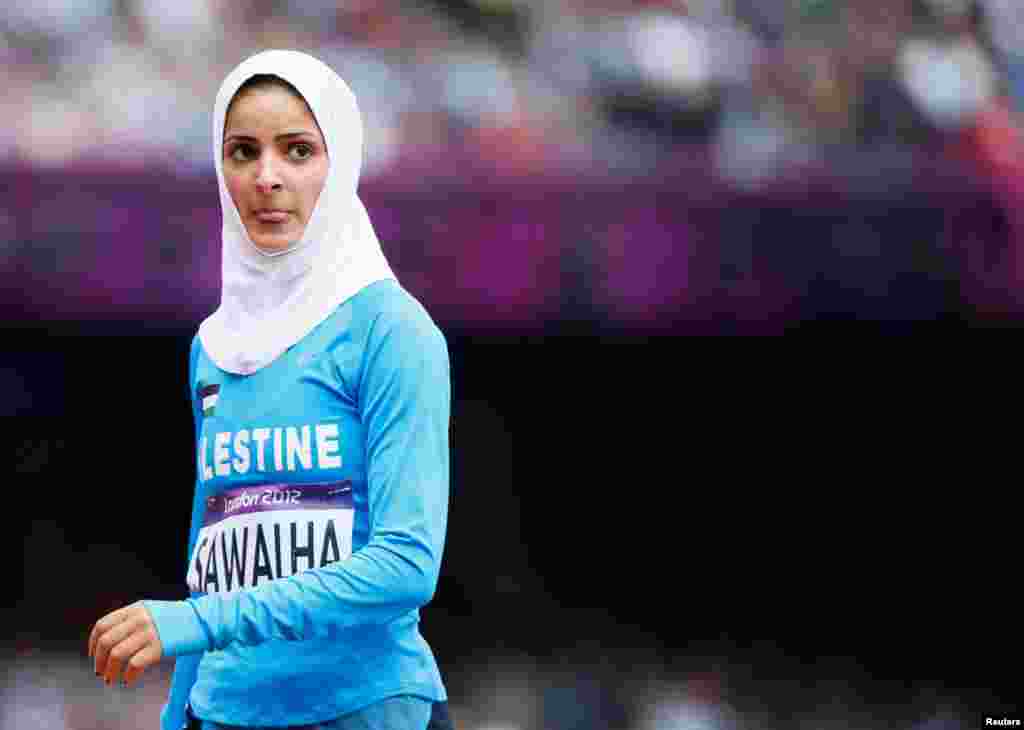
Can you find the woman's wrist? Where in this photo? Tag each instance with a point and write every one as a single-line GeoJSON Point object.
{"type": "Point", "coordinates": [178, 625]}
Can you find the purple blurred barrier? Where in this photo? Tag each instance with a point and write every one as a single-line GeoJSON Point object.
{"type": "Point", "coordinates": [476, 259]}
{"type": "Point", "coordinates": [678, 252]}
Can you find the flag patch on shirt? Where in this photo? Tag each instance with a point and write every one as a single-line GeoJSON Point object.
{"type": "Point", "coordinates": [208, 395]}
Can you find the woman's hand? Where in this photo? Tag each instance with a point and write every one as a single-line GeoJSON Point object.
{"type": "Point", "coordinates": [125, 640]}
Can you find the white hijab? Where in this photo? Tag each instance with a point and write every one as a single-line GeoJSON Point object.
{"type": "Point", "coordinates": [269, 301]}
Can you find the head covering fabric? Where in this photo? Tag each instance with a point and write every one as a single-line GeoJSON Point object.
{"type": "Point", "coordinates": [269, 301]}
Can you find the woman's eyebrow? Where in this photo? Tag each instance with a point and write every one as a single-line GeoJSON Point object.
{"type": "Point", "coordinates": [286, 135]}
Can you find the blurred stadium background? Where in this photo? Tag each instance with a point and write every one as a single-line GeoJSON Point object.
{"type": "Point", "coordinates": [762, 538]}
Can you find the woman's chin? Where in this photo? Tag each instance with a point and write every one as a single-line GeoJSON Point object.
{"type": "Point", "coordinates": [274, 243]}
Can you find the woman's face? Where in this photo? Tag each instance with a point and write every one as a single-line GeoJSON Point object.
{"type": "Point", "coordinates": [275, 164]}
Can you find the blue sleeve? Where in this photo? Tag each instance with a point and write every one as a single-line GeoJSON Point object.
{"type": "Point", "coordinates": [172, 717]}
{"type": "Point", "coordinates": [404, 394]}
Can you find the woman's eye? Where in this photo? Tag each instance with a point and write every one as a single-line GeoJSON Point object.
{"type": "Point", "coordinates": [241, 153]}
{"type": "Point", "coordinates": [301, 151]}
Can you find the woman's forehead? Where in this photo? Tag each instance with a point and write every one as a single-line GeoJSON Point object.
{"type": "Point", "coordinates": [269, 107]}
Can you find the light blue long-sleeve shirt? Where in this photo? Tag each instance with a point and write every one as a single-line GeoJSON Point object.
{"type": "Point", "coordinates": [291, 622]}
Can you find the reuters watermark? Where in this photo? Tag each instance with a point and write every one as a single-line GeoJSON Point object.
{"type": "Point", "coordinates": [1001, 722]}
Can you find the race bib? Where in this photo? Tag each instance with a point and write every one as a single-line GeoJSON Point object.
{"type": "Point", "coordinates": [251, 535]}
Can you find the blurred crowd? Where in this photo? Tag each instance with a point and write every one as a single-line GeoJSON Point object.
{"type": "Point", "coordinates": [55, 690]}
{"type": "Point", "coordinates": [524, 86]}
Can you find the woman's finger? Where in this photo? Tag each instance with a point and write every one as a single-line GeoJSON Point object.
{"type": "Point", "coordinates": [105, 624]}
{"type": "Point", "coordinates": [100, 628]}
{"type": "Point", "coordinates": [123, 653]}
{"type": "Point", "coordinates": [107, 640]}
{"type": "Point", "coordinates": [148, 656]}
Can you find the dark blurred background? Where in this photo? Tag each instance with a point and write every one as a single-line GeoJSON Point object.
{"type": "Point", "coordinates": [653, 527]}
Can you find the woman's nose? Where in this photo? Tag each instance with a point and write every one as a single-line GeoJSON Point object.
{"type": "Point", "coordinates": [267, 178]}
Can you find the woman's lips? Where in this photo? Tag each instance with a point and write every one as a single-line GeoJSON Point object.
{"type": "Point", "coordinates": [271, 216]}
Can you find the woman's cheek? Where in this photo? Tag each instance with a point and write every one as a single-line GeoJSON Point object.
{"type": "Point", "coordinates": [234, 190]}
